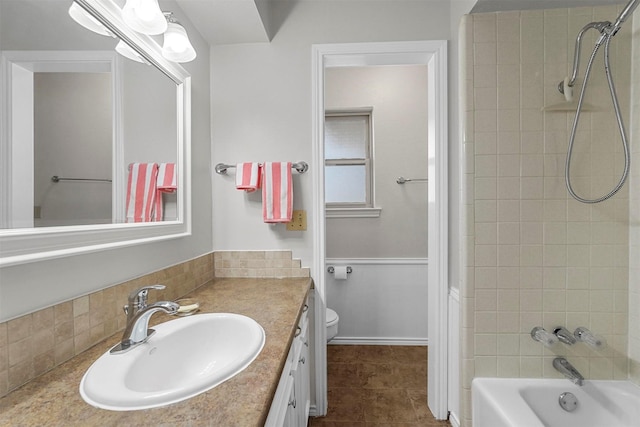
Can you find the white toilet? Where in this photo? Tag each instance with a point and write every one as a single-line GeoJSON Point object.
{"type": "Point", "coordinates": [332, 324]}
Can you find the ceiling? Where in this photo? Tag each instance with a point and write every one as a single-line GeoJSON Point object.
{"type": "Point", "coordinates": [255, 21]}
{"type": "Point", "coordinates": [237, 21]}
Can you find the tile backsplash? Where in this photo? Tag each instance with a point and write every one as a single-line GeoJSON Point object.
{"type": "Point", "coordinates": [37, 342]}
{"type": "Point", "coordinates": [258, 264]}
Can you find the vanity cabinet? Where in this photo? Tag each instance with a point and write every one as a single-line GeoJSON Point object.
{"type": "Point", "coordinates": [291, 402]}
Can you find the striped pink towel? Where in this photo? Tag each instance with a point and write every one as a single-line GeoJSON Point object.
{"type": "Point", "coordinates": [248, 176]}
{"type": "Point", "coordinates": [141, 192]}
{"type": "Point", "coordinates": [277, 192]}
{"type": "Point", "coordinates": [166, 183]}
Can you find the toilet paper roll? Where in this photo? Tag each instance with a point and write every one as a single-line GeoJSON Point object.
{"type": "Point", "coordinates": [340, 272]}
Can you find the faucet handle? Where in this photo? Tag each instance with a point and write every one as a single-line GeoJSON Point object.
{"type": "Point", "coordinates": [538, 333]}
{"type": "Point", "coordinates": [564, 335]}
{"type": "Point", "coordinates": [138, 298]}
{"type": "Point", "coordinates": [585, 335]}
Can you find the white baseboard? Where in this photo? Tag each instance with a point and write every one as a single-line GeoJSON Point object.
{"type": "Point", "coordinates": [378, 341]}
{"type": "Point", "coordinates": [453, 420]}
{"type": "Point", "coordinates": [313, 411]}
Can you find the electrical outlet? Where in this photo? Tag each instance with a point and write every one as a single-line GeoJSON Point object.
{"type": "Point", "coordinates": [298, 221]}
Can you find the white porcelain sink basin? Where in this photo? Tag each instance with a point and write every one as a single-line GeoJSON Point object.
{"type": "Point", "coordinates": [184, 358]}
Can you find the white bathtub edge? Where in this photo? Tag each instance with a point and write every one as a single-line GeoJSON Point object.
{"type": "Point", "coordinates": [505, 405]}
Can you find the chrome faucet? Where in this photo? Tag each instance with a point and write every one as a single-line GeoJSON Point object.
{"type": "Point", "coordinates": [563, 366]}
{"type": "Point", "coordinates": [138, 314]}
{"type": "Point", "coordinates": [138, 300]}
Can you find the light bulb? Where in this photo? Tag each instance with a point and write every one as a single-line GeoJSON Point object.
{"type": "Point", "coordinates": [176, 46]}
{"type": "Point", "coordinates": [176, 39]}
{"type": "Point", "coordinates": [127, 51]}
{"type": "Point", "coordinates": [144, 16]}
{"type": "Point", "coordinates": [145, 11]}
{"type": "Point", "coordinates": [85, 19]}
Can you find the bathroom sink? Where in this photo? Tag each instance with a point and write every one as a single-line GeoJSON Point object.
{"type": "Point", "coordinates": [184, 358]}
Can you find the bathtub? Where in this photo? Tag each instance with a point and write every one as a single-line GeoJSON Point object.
{"type": "Point", "coordinates": [525, 402]}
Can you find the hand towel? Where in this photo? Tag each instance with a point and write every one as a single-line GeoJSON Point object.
{"type": "Point", "coordinates": [277, 192]}
{"type": "Point", "coordinates": [141, 191]}
{"type": "Point", "coordinates": [166, 183]}
{"type": "Point", "coordinates": [248, 176]}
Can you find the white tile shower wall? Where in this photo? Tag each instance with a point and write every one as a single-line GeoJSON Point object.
{"type": "Point", "coordinates": [634, 212]}
{"type": "Point", "coordinates": [533, 255]}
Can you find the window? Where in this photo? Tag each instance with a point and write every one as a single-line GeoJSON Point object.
{"type": "Point", "coordinates": [348, 159]}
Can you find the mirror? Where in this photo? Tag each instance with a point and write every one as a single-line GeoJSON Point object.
{"type": "Point", "coordinates": [75, 117]}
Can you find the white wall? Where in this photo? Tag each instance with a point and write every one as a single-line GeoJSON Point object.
{"type": "Point", "coordinates": [398, 96]}
{"type": "Point", "coordinates": [28, 287]}
{"type": "Point", "coordinates": [382, 301]}
{"type": "Point", "coordinates": [148, 114]}
{"type": "Point", "coordinates": [261, 103]}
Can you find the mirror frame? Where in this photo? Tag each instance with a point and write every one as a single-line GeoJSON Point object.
{"type": "Point", "coordinates": [24, 245]}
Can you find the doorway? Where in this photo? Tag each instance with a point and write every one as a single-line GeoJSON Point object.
{"type": "Point", "coordinates": [23, 188]}
{"type": "Point", "coordinates": [433, 55]}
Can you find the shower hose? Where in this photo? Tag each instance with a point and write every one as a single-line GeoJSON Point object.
{"type": "Point", "coordinates": [614, 97]}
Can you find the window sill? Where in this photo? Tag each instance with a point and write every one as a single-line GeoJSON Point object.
{"type": "Point", "coordinates": [353, 212]}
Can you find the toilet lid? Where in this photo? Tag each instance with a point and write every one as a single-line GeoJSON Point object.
{"type": "Point", "coordinates": [332, 316]}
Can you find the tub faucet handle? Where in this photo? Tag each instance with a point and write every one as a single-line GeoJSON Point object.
{"type": "Point", "coordinates": [538, 333]}
{"type": "Point", "coordinates": [585, 335]}
{"type": "Point", "coordinates": [564, 335]}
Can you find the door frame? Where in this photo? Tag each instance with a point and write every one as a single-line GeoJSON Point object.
{"type": "Point", "coordinates": [432, 53]}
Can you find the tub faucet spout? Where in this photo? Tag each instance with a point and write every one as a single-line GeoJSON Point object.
{"type": "Point", "coordinates": [563, 366]}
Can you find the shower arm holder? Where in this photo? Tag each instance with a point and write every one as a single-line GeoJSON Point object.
{"type": "Point", "coordinates": [570, 82]}
{"type": "Point", "coordinates": [606, 29]}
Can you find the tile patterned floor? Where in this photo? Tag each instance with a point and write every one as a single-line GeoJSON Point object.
{"type": "Point", "coordinates": [376, 386]}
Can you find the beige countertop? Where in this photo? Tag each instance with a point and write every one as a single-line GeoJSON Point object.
{"type": "Point", "coordinates": [244, 401]}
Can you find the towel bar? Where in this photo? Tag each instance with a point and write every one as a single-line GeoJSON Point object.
{"type": "Point", "coordinates": [402, 180]}
{"type": "Point", "coordinates": [300, 167]}
{"type": "Point", "coordinates": [57, 178]}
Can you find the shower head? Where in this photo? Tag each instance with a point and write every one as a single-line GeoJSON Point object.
{"type": "Point", "coordinates": [626, 12]}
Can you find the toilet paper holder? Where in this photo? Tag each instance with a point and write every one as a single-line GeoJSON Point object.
{"type": "Point", "coordinates": [331, 269]}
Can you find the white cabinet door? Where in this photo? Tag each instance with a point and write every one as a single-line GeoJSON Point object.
{"type": "Point", "coordinates": [291, 403]}
{"type": "Point", "coordinates": [302, 381]}
{"type": "Point", "coordinates": [290, 419]}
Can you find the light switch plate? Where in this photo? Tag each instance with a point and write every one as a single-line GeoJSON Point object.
{"type": "Point", "coordinates": [298, 221]}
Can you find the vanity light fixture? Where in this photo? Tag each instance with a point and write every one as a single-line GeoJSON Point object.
{"type": "Point", "coordinates": [177, 47]}
{"type": "Point", "coordinates": [83, 18]}
{"type": "Point", "coordinates": [144, 16]}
